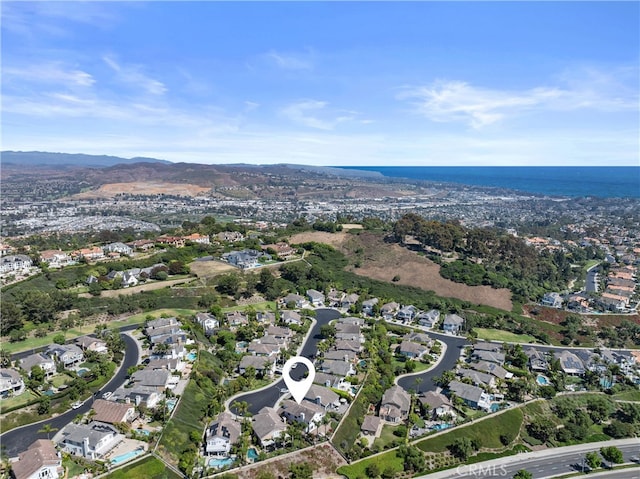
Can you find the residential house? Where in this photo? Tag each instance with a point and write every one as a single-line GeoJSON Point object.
{"type": "Point", "coordinates": [268, 427]}
{"type": "Point", "coordinates": [111, 412]}
{"type": "Point", "coordinates": [570, 363]}
{"type": "Point", "coordinates": [39, 461]}
{"type": "Point", "coordinates": [348, 345]}
{"type": "Point", "coordinates": [492, 368]}
{"type": "Point", "coordinates": [350, 334]}
{"type": "Point", "coordinates": [129, 279]}
{"type": "Point", "coordinates": [316, 298]}
{"type": "Point", "coordinates": [47, 364]}
{"type": "Point", "coordinates": [368, 307]}
{"type": "Point", "coordinates": [407, 313]}
{"type": "Point", "coordinates": [247, 258]}
{"type": "Point", "coordinates": [349, 300]}
{"type": "Point", "coordinates": [263, 365]}
{"type": "Point", "coordinates": [435, 405]}
{"type": "Point", "coordinates": [487, 346]}
{"type": "Point", "coordinates": [350, 320]}
{"type": "Point", "coordinates": [416, 337]}
{"type": "Point", "coordinates": [221, 435]}
{"type": "Point", "coordinates": [307, 413]}
{"type": "Point", "coordinates": [412, 350]}
{"type": "Point", "coordinates": [322, 396]}
{"type": "Point", "coordinates": [334, 298]}
{"type": "Point", "coordinates": [327, 380]}
{"type": "Point", "coordinates": [11, 383]}
{"type": "Point", "coordinates": [473, 396]}
{"type": "Point", "coordinates": [118, 248]}
{"type": "Point", "coordinates": [371, 427]}
{"type": "Point", "coordinates": [208, 322]}
{"type": "Point", "coordinates": [255, 348]}
{"type": "Point", "coordinates": [552, 300]}
{"type": "Point", "coordinates": [591, 361]}
{"type": "Point", "coordinates": [490, 356]}
{"type": "Point", "coordinates": [294, 299]}
{"type": "Point", "coordinates": [69, 355]}
{"type": "Point", "coordinates": [236, 319]}
{"type": "Point", "coordinates": [283, 250]}
{"type": "Point", "coordinates": [395, 405]}
{"type": "Point", "coordinates": [478, 378]}
{"type": "Point", "coordinates": [337, 368]}
{"type": "Point", "coordinates": [279, 332]}
{"type": "Point", "coordinates": [268, 317]}
{"type": "Point", "coordinates": [159, 379]}
{"type": "Point", "coordinates": [55, 258]}
{"type": "Point", "coordinates": [146, 395]}
{"type": "Point", "coordinates": [452, 324]}
{"type": "Point", "coordinates": [291, 317]}
{"type": "Point", "coordinates": [428, 319]}
{"type": "Point", "coordinates": [89, 343]}
{"type": "Point", "coordinates": [142, 244]}
{"type": "Point", "coordinates": [537, 359]}
{"type": "Point", "coordinates": [198, 238]}
{"type": "Point", "coordinates": [89, 254]}
{"type": "Point", "coordinates": [91, 441]}
{"type": "Point", "coordinates": [348, 356]}
{"type": "Point", "coordinates": [230, 236]}
{"type": "Point", "coordinates": [16, 262]}
{"type": "Point", "coordinates": [175, 241]}
{"type": "Point", "coordinates": [170, 364]}
{"type": "Point", "coordinates": [388, 311]}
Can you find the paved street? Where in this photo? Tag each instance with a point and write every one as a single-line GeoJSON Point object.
{"type": "Point", "coordinates": [17, 440]}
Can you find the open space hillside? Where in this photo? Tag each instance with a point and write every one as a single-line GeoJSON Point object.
{"type": "Point", "coordinates": [374, 258]}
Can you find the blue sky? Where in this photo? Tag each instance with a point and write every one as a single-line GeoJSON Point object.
{"type": "Point", "coordinates": [325, 83]}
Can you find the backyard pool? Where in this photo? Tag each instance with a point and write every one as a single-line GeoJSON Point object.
{"type": "Point", "coordinates": [192, 356]}
{"type": "Point", "coordinates": [126, 456]}
{"type": "Point", "coordinates": [542, 380]}
{"type": "Point", "coordinates": [171, 403]}
{"type": "Point", "coordinates": [219, 463]}
{"type": "Point", "coordinates": [441, 427]}
{"type": "Point", "coordinates": [82, 371]}
{"type": "Point", "coordinates": [495, 407]}
{"type": "Point", "coordinates": [143, 431]}
{"type": "Point", "coordinates": [252, 453]}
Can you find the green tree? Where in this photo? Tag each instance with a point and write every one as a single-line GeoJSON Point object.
{"type": "Point", "coordinates": [373, 470]}
{"type": "Point", "coordinates": [612, 454]}
{"type": "Point", "coordinates": [229, 284]}
{"type": "Point", "coordinates": [523, 474]}
{"type": "Point", "coordinates": [593, 460]}
{"type": "Point", "coordinates": [413, 458]}
{"type": "Point", "coordinates": [47, 429]}
{"type": "Point", "coordinates": [44, 406]}
{"type": "Point", "coordinates": [541, 429]}
{"type": "Point", "coordinates": [463, 448]}
{"type": "Point", "coordinates": [59, 339]}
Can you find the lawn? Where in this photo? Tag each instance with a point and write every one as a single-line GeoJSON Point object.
{"type": "Point", "coordinates": [14, 401]}
{"type": "Point", "coordinates": [73, 468]}
{"type": "Point", "coordinates": [60, 379]}
{"type": "Point", "coordinates": [487, 432]}
{"type": "Point", "coordinates": [149, 468]}
{"type": "Point", "coordinates": [264, 306]}
{"type": "Point", "coordinates": [505, 336]}
{"type": "Point", "coordinates": [628, 396]}
{"type": "Point", "coordinates": [388, 460]}
{"type": "Point", "coordinates": [387, 436]}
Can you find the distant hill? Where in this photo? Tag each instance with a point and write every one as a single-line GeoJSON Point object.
{"type": "Point", "coordinates": [41, 158]}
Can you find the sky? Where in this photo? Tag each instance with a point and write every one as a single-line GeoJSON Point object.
{"type": "Point", "coordinates": [325, 83]}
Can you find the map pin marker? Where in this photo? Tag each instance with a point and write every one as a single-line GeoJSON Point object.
{"type": "Point", "coordinates": [298, 389]}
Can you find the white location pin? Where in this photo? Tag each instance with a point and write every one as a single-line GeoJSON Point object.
{"type": "Point", "coordinates": [298, 388]}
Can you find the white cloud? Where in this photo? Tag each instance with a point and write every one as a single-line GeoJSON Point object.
{"type": "Point", "coordinates": [132, 75]}
{"type": "Point", "coordinates": [306, 113]}
{"type": "Point", "coordinates": [49, 73]}
{"type": "Point", "coordinates": [289, 61]}
{"type": "Point", "coordinates": [448, 101]}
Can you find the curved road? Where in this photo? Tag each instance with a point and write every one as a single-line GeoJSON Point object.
{"type": "Point", "coordinates": [17, 440]}
{"type": "Point", "coordinates": [270, 395]}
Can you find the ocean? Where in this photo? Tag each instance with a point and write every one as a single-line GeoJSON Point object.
{"type": "Point", "coordinates": [573, 181]}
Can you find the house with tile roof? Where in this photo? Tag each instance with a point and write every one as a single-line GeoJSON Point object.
{"type": "Point", "coordinates": [39, 461]}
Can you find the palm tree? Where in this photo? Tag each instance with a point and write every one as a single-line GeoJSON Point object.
{"type": "Point", "coordinates": [48, 429]}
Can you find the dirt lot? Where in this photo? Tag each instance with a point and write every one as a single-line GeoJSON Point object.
{"type": "Point", "coordinates": [383, 261]}
{"type": "Point", "coordinates": [148, 187]}
{"type": "Point", "coordinates": [205, 269]}
{"type": "Point", "coordinates": [112, 293]}
{"type": "Point", "coordinates": [323, 458]}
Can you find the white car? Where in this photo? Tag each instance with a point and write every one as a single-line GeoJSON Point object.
{"type": "Point", "coordinates": [76, 405]}
{"type": "Point", "coordinates": [107, 395]}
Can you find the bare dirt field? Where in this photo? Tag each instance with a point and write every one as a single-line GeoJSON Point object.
{"type": "Point", "coordinates": [205, 269]}
{"type": "Point", "coordinates": [147, 187]}
{"type": "Point", "coordinates": [384, 261]}
{"type": "Point", "coordinates": [324, 460]}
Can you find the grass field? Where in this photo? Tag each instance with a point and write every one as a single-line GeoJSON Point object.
{"type": "Point", "coordinates": [498, 335]}
{"type": "Point", "coordinates": [150, 468]}
{"type": "Point", "coordinates": [14, 401]}
{"type": "Point", "coordinates": [387, 436]}
{"type": "Point", "coordinates": [487, 432]}
{"type": "Point", "coordinates": [628, 396]}
{"type": "Point", "coordinates": [388, 460]}
{"type": "Point", "coordinates": [142, 317]}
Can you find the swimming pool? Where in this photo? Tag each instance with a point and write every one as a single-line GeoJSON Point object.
{"type": "Point", "coordinates": [143, 431]}
{"type": "Point", "coordinates": [252, 453]}
{"type": "Point", "coordinates": [495, 407]}
{"type": "Point", "coordinates": [542, 380]}
{"type": "Point", "coordinates": [219, 463]}
{"type": "Point", "coordinates": [440, 427]}
{"type": "Point", "coordinates": [82, 371]}
{"type": "Point", "coordinates": [192, 356]}
{"type": "Point", "coordinates": [171, 403]}
{"type": "Point", "coordinates": [126, 456]}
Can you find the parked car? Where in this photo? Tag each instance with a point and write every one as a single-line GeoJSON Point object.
{"type": "Point", "coordinates": [107, 395]}
{"type": "Point", "coordinates": [76, 405]}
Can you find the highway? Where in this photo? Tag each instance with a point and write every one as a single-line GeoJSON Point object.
{"type": "Point", "coordinates": [546, 463]}
{"type": "Point", "coordinates": [15, 441]}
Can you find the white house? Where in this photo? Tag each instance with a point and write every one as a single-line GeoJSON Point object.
{"type": "Point", "coordinates": [91, 441]}
{"type": "Point", "coordinates": [452, 324]}
{"type": "Point", "coordinates": [316, 298]}
{"type": "Point", "coordinates": [221, 435]}
{"type": "Point", "coordinates": [307, 413]}
{"type": "Point", "coordinates": [268, 427]}
{"type": "Point", "coordinates": [39, 461]}
{"type": "Point", "coordinates": [11, 383]}
{"type": "Point", "coordinates": [428, 319]}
